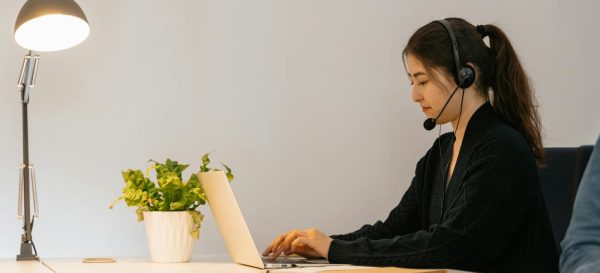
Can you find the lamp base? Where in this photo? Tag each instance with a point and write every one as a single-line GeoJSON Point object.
{"type": "Point", "coordinates": [27, 253]}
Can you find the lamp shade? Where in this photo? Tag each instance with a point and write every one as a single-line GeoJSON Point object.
{"type": "Point", "coordinates": [50, 25]}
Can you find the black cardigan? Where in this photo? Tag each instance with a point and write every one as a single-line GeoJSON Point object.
{"type": "Point", "coordinates": [494, 217]}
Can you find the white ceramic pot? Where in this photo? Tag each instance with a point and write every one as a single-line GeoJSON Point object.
{"type": "Point", "coordinates": [169, 236]}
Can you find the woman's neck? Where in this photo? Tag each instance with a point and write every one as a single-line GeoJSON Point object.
{"type": "Point", "coordinates": [470, 106]}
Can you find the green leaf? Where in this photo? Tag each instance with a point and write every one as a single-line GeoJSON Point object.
{"type": "Point", "coordinates": [177, 206]}
{"type": "Point", "coordinates": [228, 172]}
{"type": "Point", "coordinates": [197, 218]}
{"type": "Point", "coordinates": [175, 167]}
{"type": "Point", "coordinates": [112, 205]}
{"type": "Point", "coordinates": [205, 162]}
{"type": "Point", "coordinates": [164, 205]}
{"type": "Point", "coordinates": [193, 181]}
{"type": "Point", "coordinates": [140, 214]}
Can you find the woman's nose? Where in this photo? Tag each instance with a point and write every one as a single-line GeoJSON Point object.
{"type": "Point", "coordinates": [416, 95]}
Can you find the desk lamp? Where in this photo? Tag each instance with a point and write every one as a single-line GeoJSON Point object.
{"type": "Point", "coordinates": [42, 25]}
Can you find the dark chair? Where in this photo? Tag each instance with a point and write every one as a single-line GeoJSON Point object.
{"type": "Point", "coordinates": [560, 179]}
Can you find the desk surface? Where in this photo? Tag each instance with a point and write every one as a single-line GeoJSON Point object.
{"type": "Point", "coordinates": [130, 265]}
{"type": "Point", "coordinates": [210, 264]}
{"type": "Point", "coordinates": [12, 266]}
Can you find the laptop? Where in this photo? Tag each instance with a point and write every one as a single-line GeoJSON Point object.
{"type": "Point", "coordinates": [235, 232]}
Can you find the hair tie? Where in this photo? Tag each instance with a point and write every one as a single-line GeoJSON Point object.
{"type": "Point", "coordinates": [481, 30]}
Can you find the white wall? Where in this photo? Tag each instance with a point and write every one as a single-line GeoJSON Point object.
{"type": "Point", "coordinates": [306, 100]}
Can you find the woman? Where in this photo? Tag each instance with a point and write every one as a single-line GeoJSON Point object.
{"type": "Point", "coordinates": [475, 201]}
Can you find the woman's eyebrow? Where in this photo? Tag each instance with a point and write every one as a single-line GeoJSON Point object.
{"type": "Point", "coordinates": [419, 74]}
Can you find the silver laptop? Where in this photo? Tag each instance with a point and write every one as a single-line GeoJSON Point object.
{"type": "Point", "coordinates": [233, 227]}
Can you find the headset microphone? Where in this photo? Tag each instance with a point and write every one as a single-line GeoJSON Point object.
{"type": "Point", "coordinates": [429, 123]}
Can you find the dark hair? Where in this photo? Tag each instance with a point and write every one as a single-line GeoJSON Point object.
{"type": "Point", "coordinates": [498, 67]}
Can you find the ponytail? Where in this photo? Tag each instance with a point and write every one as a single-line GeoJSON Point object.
{"type": "Point", "coordinates": [513, 96]}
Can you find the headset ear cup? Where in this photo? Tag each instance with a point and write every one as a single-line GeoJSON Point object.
{"type": "Point", "coordinates": [466, 77]}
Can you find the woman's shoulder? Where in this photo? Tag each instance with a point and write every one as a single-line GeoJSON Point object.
{"type": "Point", "coordinates": [505, 136]}
{"type": "Point", "coordinates": [505, 142]}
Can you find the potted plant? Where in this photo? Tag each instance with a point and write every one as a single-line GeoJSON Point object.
{"type": "Point", "coordinates": [168, 207]}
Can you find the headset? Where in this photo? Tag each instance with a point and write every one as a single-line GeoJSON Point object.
{"type": "Point", "coordinates": [465, 75]}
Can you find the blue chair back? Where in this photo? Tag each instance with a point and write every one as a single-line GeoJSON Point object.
{"type": "Point", "coordinates": [560, 179]}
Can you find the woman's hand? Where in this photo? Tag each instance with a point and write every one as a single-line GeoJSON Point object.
{"type": "Point", "coordinates": [308, 243]}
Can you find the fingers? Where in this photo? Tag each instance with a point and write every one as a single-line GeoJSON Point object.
{"type": "Point", "coordinates": [283, 243]}
{"type": "Point", "coordinates": [275, 251]}
{"type": "Point", "coordinates": [295, 241]}
{"type": "Point", "coordinates": [287, 243]}
{"type": "Point", "coordinates": [276, 248]}
{"type": "Point", "coordinates": [269, 248]}
{"type": "Point", "coordinates": [274, 244]}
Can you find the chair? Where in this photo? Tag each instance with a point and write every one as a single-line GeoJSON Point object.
{"type": "Point", "coordinates": [560, 179]}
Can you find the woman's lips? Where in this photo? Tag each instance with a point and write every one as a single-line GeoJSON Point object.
{"type": "Point", "coordinates": [425, 109]}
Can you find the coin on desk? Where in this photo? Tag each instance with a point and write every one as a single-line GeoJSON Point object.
{"type": "Point", "coordinates": [98, 260]}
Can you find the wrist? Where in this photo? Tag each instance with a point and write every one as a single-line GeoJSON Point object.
{"type": "Point", "coordinates": [327, 246]}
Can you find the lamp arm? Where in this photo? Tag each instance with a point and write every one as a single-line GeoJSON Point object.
{"type": "Point", "coordinates": [28, 74]}
{"type": "Point", "coordinates": [26, 81]}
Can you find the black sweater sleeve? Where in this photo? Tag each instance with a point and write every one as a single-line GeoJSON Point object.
{"type": "Point", "coordinates": [495, 192]}
{"type": "Point", "coordinates": [400, 220]}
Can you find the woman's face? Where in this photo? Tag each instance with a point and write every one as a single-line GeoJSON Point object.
{"type": "Point", "coordinates": [432, 91]}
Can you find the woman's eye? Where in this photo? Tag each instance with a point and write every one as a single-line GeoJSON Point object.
{"type": "Point", "coordinates": [422, 83]}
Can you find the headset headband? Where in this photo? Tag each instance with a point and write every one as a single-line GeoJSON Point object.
{"type": "Point", "coordinates": [454, 44]}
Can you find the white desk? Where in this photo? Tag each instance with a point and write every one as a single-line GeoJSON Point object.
{"type": "Point", "coordinates": [209, 264]}
{"type": "Point", "coordinates": [12, 266]}
{"type": "Point", "coordinates": [125, 265]}
{"type": "Point", "coordinates": [144, 265]}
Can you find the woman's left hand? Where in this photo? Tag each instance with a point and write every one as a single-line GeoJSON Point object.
{"type": "Point", "coordinates": [307, 243]}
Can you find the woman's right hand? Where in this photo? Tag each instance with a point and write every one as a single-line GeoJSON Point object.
{"type": "Point", "coordinates": [291, 243]}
